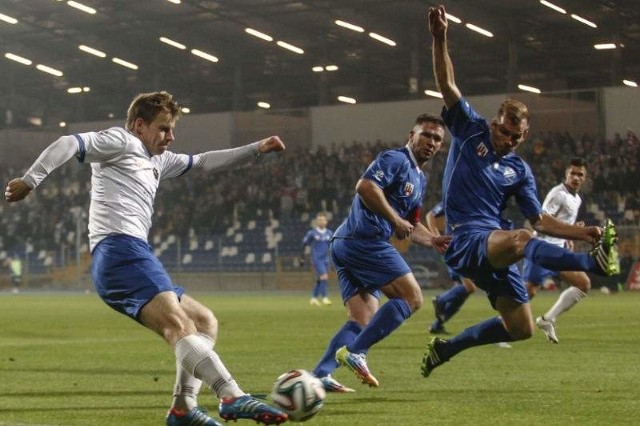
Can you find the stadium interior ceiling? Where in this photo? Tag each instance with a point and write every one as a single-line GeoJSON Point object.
{"type": "Point", "coordinates": [532, 44]}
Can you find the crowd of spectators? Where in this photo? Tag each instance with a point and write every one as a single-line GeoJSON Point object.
{"type": "Point", "coordinates": [295, 183]}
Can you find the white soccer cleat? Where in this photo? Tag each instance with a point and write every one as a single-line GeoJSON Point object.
{"type": "Point", "coordinates": [314, 301]}
{"type": "Point", "coordinates": [549, 328]}
{"type": "Point", "coordinates": [503, 345]}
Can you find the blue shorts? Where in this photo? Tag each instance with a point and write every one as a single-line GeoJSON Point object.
{"type": "Point", "coordinates": [454, 275]}
{"type": "Point", "coordinates": [536, 274]}
{"type": "Point", "coordinates": [467, 256]}
{"type": "Point", "coordinates": [127, 275]}
{"type": "Point", "coordinates": [365, 265]}
{"type": "Point", "coordinates": [321, 266]}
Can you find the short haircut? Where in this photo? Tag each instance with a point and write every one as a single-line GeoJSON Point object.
{"type": "Point", "coordinates": [578, 162]}
{"type": "Point", "coordinates": [148, 105]}
{"type": "Point", "coordinates": [428, 118]}
{"type": "Point", "coordinates": [513, 111]}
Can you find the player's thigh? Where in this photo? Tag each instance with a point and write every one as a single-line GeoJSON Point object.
{"type": "Point", "coordinates": [516, 316]}
{"type": "Point", "coordinates": [577, 279]}
{"type": "Point", "coordinates": [202, 316]}
{"type": "Point", "coordinates": [506, 247]}
{"type": "Point", "coordinates": [361, 307]}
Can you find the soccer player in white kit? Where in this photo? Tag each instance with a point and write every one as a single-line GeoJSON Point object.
{"type": "Point", "coordinates": [127, 166]}
{"type": "Point", "coordinates": [563, 202]}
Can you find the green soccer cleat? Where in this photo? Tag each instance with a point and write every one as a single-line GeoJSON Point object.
{"type": "Point", "coordinates": [358, 364]}
{"type": "Point", "coordinates": [431, 357]}
{"type": "Point", "coordinates": [247, 407]}
{"type": "Point", "coordinates": [605, 252]}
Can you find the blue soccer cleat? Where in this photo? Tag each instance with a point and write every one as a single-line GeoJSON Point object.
{"type": "Point", "coordinates": [195, 417]}
{"type": "Point", "coordinates": [247, 407]}
{"type": "Point", "coordinates": [332, 385]}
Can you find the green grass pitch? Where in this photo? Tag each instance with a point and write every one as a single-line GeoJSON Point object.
{"type": "Point", "coordinates": [70, 360]}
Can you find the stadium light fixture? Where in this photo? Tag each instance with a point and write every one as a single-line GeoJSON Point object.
{"type": "Point", "coordinates": [433, 93]}
{"type": "Point", "coordinates": [8, 19]}
{"type": "Point", "coordinates": [204, 55]}
{"type": "Point", "coordinates": [20, 59]}
{"type": "Point", "coordinates": [92, 51]}
{"type": "Point", "coordinates": [258, 34]}
{"type": "Point", "coordinates": [124, 63]}
{"type": "Point", "coordinates": [74, 90]}
{"type": "Point", "coordinates": [531, 89]}
{"type": "Point", "coordinates": [553, 6]}
{"type": "Point", "coordinates": [583, 20]}
{"type": "Point", "coordinates": [62, 124]}
{"type": "Point", "coordinates": [331, 68]}
{"type": "Point", "coordinates": [349, 26]}
{"type": "Point", "coordinates": [174, 1]}
{"type": "Point", "coordinates": [605, 46]}
{"type": "Point", "coordinates": [382, 39]}
{"type": "Point", "coordinates": [479, 30]}
{"type": "Point", "coordinates": [317, 69]}
{"type": "Point", "coordinates": [630, 83]}
{"type": "Point", "coordinates": [173, 43]}
{"type": "Point", "coordinates": [290, 47]}
{"type": "Point", "coordinates": [264, 105]}
{"type": "Point", "coordinates": [346, 100]}
{"type": "Point", "coordinates": [82, 7]}
{"type": "Point", "coordinates": [185, 110]}
{"type": "Point", "coordinates": [453, 18]}
{"type": "Point", "coordinates": [49, 70]}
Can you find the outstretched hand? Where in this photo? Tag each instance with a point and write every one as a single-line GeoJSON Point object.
{"type": "Point", "coordinates": [441, 243]}
{"type": "Point", "coordinates": [438, 21]}
{"type": "Point", "coordinates": [16, 190]}
{"type": "Point", "coordinates": [271, 144]}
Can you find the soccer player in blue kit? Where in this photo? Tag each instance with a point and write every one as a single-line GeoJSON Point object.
{"type": "Point", "coordinates": [388, 200]}
{"type": "Point", "coordinates": [127, 166]}
{"type": "Point", "coordinates": [481, 173]}
{"type": "Point", "coordinates": [318, 239]}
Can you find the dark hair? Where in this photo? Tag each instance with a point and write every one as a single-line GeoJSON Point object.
{"type": "Point", "coordinates": [428, 118]}
{"type": "Point", "coordinates": [578, 162]}
{"type": "Point", "coordinates": [148, 105]}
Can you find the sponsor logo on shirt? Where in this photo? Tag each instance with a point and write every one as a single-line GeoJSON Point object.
{"type": "Point", "coordinates": [482, 150]}
{"type": "Point", "coordinates": [508, 173]}
{"type": "Point", "coordinates": [155, 173]}
{"type": "Point", "coordinates": [408, 188]}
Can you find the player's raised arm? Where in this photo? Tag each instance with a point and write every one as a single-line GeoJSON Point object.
{"type": "Point", "coordinates": [442, 65]}
{"type": "Point", "coordinates": [227, 158]}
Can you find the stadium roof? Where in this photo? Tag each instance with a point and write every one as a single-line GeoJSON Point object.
{"type": "Point", "coordinates": [532, 44]}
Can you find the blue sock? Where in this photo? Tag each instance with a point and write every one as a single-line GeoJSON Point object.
{"type": "Point", "coordinates": [557, 258]}
{"type": "Point", "coordinates": [452, 300]}
{"type": "Point", "coordinates": [344, 336]}
{"type": "Point", "coordinates": [316, 289]}
{"type": "Point", "coordinates": [322, 288]}
{"type": "Point", "coordinates": [389, 317]}
{"type": "Point", "coordinates": [489, 331]}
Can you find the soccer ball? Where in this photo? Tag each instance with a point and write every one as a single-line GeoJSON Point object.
{"type": "Point", "coordinates": [299, 394]}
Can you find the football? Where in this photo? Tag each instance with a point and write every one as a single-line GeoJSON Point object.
{"type": "Point", "coordinates": [299, 394]}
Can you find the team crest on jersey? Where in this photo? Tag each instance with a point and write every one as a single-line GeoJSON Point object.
{"type": "Point", "coordinates": [379, 174]}
{"type": "Point", "coordinates": [482, 150]}
{"type": "Point", "coordinates": [156, 174]}
{"type": "Point", "coordinates": [509, 173]}
{"type": "Point", "coordinates": [408, 188]}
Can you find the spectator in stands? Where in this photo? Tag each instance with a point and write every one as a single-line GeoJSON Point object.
{"type": "Point", "coordinates": [127, 166]}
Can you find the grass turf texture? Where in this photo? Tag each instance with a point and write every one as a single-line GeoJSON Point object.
{"type": "Point", "coordinates": [71, 360]}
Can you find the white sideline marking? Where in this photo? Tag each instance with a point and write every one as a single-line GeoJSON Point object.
{"type": "Point", "coordinates": [61, 341]}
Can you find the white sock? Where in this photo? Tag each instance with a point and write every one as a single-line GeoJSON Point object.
{"type": "Point", "coordinates": [195, 356]}
{"type": "Point", "coordinates": [567, 299]}
{"type": "Point", "coordinates": [187, 387]}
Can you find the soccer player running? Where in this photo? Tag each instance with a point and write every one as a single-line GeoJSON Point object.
{"type": "Point", "coordinates": [563, 202]}
{"type": "Point", "coordinates": [447, 304]}
{"type": "Point", "coordinates": [388, 199]}
{"type": "Point", "coordinates": [127, 166]}
{"type": "Point", "coordinates": [318, 239]}
{"type": "Point", "coordinates": [481, 173]}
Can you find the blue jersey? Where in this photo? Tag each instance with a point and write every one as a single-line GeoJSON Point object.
{"type": "Point", "coordinates": [318, 240]}
{"type": "Point", "coordinates": [397, 173]}
{"type": "Point", "coordinates": [477, 183]}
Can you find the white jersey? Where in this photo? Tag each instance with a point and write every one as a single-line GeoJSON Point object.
{"type": "Point", "coordinates": [564, 206]}
{"type": "Point", "coordinates": [124, 177]}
